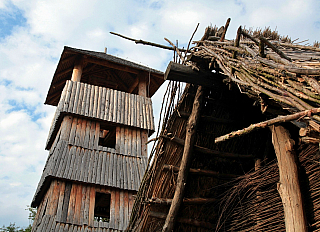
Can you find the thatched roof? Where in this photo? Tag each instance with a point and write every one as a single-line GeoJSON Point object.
{"type": "Point", "coordinates": [246, 81]}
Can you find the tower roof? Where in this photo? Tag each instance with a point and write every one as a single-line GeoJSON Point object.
{"type": "Point", "coordinates": [100, 69]}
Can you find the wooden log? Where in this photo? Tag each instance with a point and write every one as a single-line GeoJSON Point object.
{"type": "Point", "coordinates": [187, 221]}
{"type": "Point", "coordinates": [201, 172]}
{"type": "Point", "coordinates": [225, 30]}
{"type": "Point", "coordinates": [288, 186]}
{"type": "Point", "coordinates": [183, 73]}
{"type": "Point", "coordinates": [185, 162]}
{"type": "Point", "coordinates": [77, 69]}
{"type": "Point", "coordinates": [190, 201]}
{"type": "Point", "coordinates": [207, 151]}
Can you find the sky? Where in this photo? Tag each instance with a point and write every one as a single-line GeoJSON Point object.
{"type": "Point", "coordinates": [32, 36]}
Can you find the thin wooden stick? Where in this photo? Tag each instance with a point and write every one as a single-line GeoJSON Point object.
{"type": "Point", "coordinates": [225, 29]}
{"type": "Point", "coordinates": [260, 125]}
{"type": "Point", "coordinates": [270, 45]}
{"type": "Point", "coordinates": [176, 49]}
{"type": "Point", "coordinates": [139, 41]}
{"type": "Point", "coordinates": [191, 39]}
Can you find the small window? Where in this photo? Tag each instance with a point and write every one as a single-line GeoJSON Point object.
{"type": "Point", "coordinates": [107, 137]}
{"type": "Point", "coordinates": [102, 207]}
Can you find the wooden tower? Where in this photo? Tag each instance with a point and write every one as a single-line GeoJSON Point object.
{"type": "Point", "coordinates": [97, 142]}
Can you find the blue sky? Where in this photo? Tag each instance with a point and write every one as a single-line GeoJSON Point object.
{"type": "Point", "coordinates": [32, 36]}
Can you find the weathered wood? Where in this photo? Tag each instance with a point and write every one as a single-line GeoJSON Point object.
{"type": "Point", "coordinates": [185, 162]}
{"type": "Point", "coordinates": [88, 97]}
{"type": "Point", "coordinates": [200, 172]}
{"type": "Point", "coordinates": [66, 199]}
{"type": "Point", "coordinates": [207, 151]}
{"type": "Point", "coordinates": [72, 97]}
{"type": "Point", "coordinates": [77, 69]}
{"type": "Point", "coordinates": [80, 99]}
{"type": "Point", "coordinates": [91, 206]}
{"type": "Point", "coordinates": [270, 45]}
{"type": "Point", "coordinates": [84, 99]}
{"type": "Point", "coordinates": [67, 97]}
{"type": "Point", "coordinates": [111, 105]}
{"type": "Point", "coordinates": [103, 103]}
{"type": "Point", "coordinates": [92, 100]}
{"type": "Point", "coordinates": [60, 202]}
{"type": "Point", "coordinates": [225, 29]}
{"type": "Point", "coordinates": [183, 73]}
{"type": "Point", "coordinates": [95, 101]}
{"type": "Point", "coordinates": [77, 208]}
{"type": "Point", "coordinates": [117, 209]}
{"type": "Point", "coordinates": [184, 220]}
{"type": "Point", "coordinates": [121, 211]}
{"type": "Point", "coordinates": [190, 201]}
{"type": "Point", "coordinates": [288, 186]}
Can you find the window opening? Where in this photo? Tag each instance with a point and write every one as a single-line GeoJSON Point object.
{"type": "Point", "coordinates": [102, 207]}
{"type": "Point", "coordinates": [107, 137]}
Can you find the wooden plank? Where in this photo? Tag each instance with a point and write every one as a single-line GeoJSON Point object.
{"type": "Point", "coordinates": [80, 98]}
{"type": "Point", "coordinates": [126, 210]}
{"type": "Point", "coordinates": [55, 198]}
{"type": "Point", "coordinates": [106, 170]}
{"type": "Point", "coordinates": [77, 140]}
{"type": "Point", "coordinates": [89, 88]}
{"type": "Point", "coordinates": [67, 98]}
{"type": "Point", "coordinates": [96, 136]}
{"type": "Point", "coordinates": [112, 209]}
{"type": "Point", "coordinates": [115, 105]}
{"type": "Point", "coordinates": [119, 107]}
{"type": "Point", "coordinates": [120, 169]}
{"type": "Point", "coordinates": [90, 168]}
{"type": "Point", "coordinates": [62, 97]}
{"type": "Point", "coordinates": [73, 165]}
{"type": "Point", "coordinates": [77, 208]}
{"type": "Point", "coordinates": [95, 101]}
{"type": "Point", "coordinates": [79, 163]}
{"type": "Point", "coordinates": [83, 204]}
{"type": "Point", "coordinates": [92, 100]}
{"type": "Point", "coordinates": [59, 159]}
{"type": "Point", "coordinates": [84, 99]}
{"type": "Point", "coordinates": [66, 127]}
{"type": "Point", "coordinates": [137, 109]}
{"type": "Point", "coordinates": [144, 112]}
{"type": "Point", "coordinates": [107, 105]}
{"type": "Point", "coordinates": [95, 167]}
{"type": "Point", "coordinates": [144, 140]}
{"type": "Point", "coordinates": [134, 142]}
{"type": "Point", "coordinates": [135, 176]}
{"type": "Point", "coordinates": [152, 127]}
{"type": "Point", "coordinates": [103, 167]}
{"type": "Point", "coordinates": [103, 103]}
{"type": "Point", "coordinates": [116, 181]}
{"type": "Point", "coordinates": [126, 140]}
{"type": "Point", "coordinates": [99, 167]}
{"type": "Point", "coordinates": [129, 142]}
{"type": "Point", "coordinates": [118, 139]}
{"type": "Point", "coordinates": [87, 134]}
{"type": "Point", "coordinates": [122, 140]}
{"type": "Point", "coordinates": [99, 102]}
{"type": "Point", "coordinates": [129, 172]}
{"type": "Point", "coordinates": [73, 94]}
{"type": "Point", "coordinates": [84, 164]}
{"type": "Point", "coordinates": [86, 206]}
{"type": "Point", "coordinates": [131, 201]}
{"type": "Point", "coordinates": [139, 148]}
{"type": "Point", "coordinates": [121, 211]}
{"type": "Point", "coordinates": [65, 204]}
{"type": "Point", "coordinates": [110, 170]}
{"type": "Point", "coordinates": [60, 201]}
{"type": "Point", "coordinates": [126, 109]}
{"type": "Point", "coordinates": [132, 107]}
{"type": "Point", "coordinates": [111, 105]}
{"type": "Point", "coordinates": [91, 135]}
{"type": "Point", "coordinates": [117, 209]}
{"type": "Point", "coordinates": [288, 186]}
{"type": "Point", "coordinates": [125, 172]}
{"type": "Point", "coordinates": [147, 113]}
{"type": "Point", "coordinates": [123, 107]}
{"type": "Point", "coordinates": [73, 131]}
{"type": "Point", "coordinates": [72, 202]}
{"type": "Point", "coordinates": [91, 206]}
{"type": "Point", "coordinates": [68, 162]}
{"type": "Point", "coordinates": [83, 132]}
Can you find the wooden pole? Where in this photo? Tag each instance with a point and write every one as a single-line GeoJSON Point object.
{"type": "Point", "coordinates": [288, 186]}
{"type": "Point", "coordinates": [77, 69]}
{"type": "Point", "coordinates": [185, 162]}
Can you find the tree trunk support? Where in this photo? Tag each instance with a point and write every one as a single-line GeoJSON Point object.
{"type": "Point", "coordinates": [185, 162]}
{"type": "Point", "coordinates": [288, 186]}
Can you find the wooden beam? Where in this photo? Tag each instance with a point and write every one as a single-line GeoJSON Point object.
{"type": "Point", "coordinates": [188, 221]}
{"type": "Point", "coordinates": [288, 186]}
{"type": "Point", "coordinates": [207, 151]}
{"type": "Point", "coordinates": [201, 172]}
{"type": "Point", "coordinates": [191, 130]}
{"type": "Point", "coordinates": [77, 69]}
{"type": "Point", "coordinates": [190, 201]}
{"type": "Point", "coordinates": [183, 73]}
{"type": "Point", "coordinates": [134, 85]}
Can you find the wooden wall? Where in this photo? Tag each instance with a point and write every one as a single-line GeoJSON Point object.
{"type": "Point", "coordinates": [104, 104]}
{"type": "Point", "coordinates": [73, 203]}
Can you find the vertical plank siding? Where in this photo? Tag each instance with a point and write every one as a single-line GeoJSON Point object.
{"type": "Point", "coordinates": [80, 200]}
{"type": "Point", "coordinates": [104, 104]}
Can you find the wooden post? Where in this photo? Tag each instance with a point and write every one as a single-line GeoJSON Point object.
{"type": "Point", "coordinates": [288, 186]}
{"type": "Point", "coordinates": [143, 84]}
{"type": "Point", "coordinates": [77, 69]}
{"type": "Point", "coordinates": [185, 162]}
